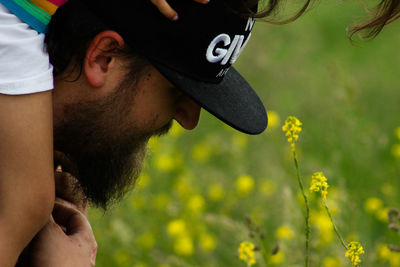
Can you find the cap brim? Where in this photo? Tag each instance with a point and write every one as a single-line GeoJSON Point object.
{"type": "Point", "coordinates": [233, 100]}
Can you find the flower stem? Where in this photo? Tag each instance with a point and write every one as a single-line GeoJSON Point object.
{"type": "Point", "coordinates": [307, 215]}
{"type": "Point", "coordinates": [334, 225]}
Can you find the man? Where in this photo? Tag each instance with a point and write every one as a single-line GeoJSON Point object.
{"type": "Point", "coordinates": [122, 74]}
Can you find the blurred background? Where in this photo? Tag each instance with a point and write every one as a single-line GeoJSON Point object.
{"type": "Point", "coordinates": [202, 191]}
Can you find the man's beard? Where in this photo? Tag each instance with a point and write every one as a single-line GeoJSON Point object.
{"type": "Point", "coordinates": [105, 151]}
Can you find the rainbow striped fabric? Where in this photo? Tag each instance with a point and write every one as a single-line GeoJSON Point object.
{"type": "Point", "coordinates": [35, 13]}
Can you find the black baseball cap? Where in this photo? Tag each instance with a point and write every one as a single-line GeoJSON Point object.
{"type": "Point", "coordinates": [194, 53]}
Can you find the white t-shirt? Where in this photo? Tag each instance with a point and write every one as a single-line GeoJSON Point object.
{"type": "Point", "coordinates": [24, 62]}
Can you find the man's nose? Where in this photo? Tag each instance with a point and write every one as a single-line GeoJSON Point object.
{"type": "Point", "coordinates": [187, 113]}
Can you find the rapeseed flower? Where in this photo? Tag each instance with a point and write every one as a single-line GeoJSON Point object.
{"type": "Point", "coordinates": [244, 184]}
{"type": "Point", "coordinates": [284, 233]}
{"type": "Point", "coordinates": [196, 204]}
{"type": "Point", "coordinates": [353, 252]}
{"type": "Point", "coordinates": [292, 128]}
{"type": "Point", "coordinates": [324, 225]}
{"type": "Point", "coordinates": [331, 262]}
{"type": "Point", "coordinates": [273, 119]}
{"type": "Point", "coordinates": [396, 150]}
{"type": "Point", "coordinates": [246, 252]}
{"type": "Point", "coordinates": [176, 227]}
{"type": "Point", "coordinates": [386, 255]}
{"type": "Point", "coordinates": [207, 242]}
{"type": "Point", "coordinates": [216, 192]}
{"type": "Point", "coordinates": [397, 132]}
{"type": "Point", "coordinates": [183, 245]}
{"type": "Point", "coordinates": [165, 162]}
{"type": "Point", "coordinates": [277, 258]}
{"type": "Point", "coordinates": [319, 184]}
{"type": "Point", "coordinates": [373, 204]}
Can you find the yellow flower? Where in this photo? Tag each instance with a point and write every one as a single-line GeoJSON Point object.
{"type": "Point", "coordinates": [384, 252]}
{"type": "Point", "coordinates": [397, 132]}
{"type": "Point", "coordinates": [382, 215]}
{"type": "Point", "coordinates": [244, 185]}
{"type": "Point", "coordinates": [273, 119]}
{"type": "Point", "coordinates": [183, 245]}
{"type": "Point", "coordinates": [246, 252]}
{"type": "Point", "coordinates": [331, 262]}
{"type": "Point", "coordinates": [176, 227]}
{"type": "Point", "coordinates": [372, 205]}
{"type": "Point", "coordinates": [216, 192]}
{"type": "Point", "coordinates": [207, 242]}
{"type": "Point", "coordinates": [284, 232]}
{"type": "Point", "coordinates": [319, 184]}
{"type": "Point", "coordinates": [196, 203]}
{"type": "Point", "coordinates": [201, 152]}
{"type": "Point", "coordinates": [292, 128]}
{"type": "Point", "coordinates": [325, 227]}
{"type": "Point", "coordinates": [277, 258]}
{"type": "Point", "coordinates": [165, 162]}
{"type": "Point", "coordinates": [396, 150]}
{"type": "Point", "coordinates": [353, 252]}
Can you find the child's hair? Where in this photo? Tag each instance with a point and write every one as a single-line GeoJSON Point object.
{"type": "Point", "coordinates": [385, 12]}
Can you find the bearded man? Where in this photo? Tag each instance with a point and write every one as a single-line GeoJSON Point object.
{"type": "Point", "coordinates": [122, 74]}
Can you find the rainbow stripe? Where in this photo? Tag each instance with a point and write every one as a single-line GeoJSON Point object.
{"type": "Point", "coordinates": [35, 13]}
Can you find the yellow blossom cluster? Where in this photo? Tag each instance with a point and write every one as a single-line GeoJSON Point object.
{"type": "Point", "coordinates": [246, 252]}
{"type": "Point", "coordinates": [319, 184]}
{"type": "Point", "coordinates": [292, 128]}
{"type": "Point", "coordinates": [183, 243]}
{"type": "Point", "coordinates": [353, 252]}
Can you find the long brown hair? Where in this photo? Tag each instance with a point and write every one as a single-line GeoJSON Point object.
{"type": "Point", "coordinates": [384, 13]}
{"type": "Point", "coordinates": [267, 9]}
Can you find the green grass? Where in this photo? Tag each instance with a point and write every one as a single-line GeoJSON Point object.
{"type": "Point", "coordinates": [348, 99]}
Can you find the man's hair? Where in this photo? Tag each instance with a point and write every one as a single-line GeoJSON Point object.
{"type": "Point", "coordinates": [385, 13]}
{"type": "Point", "coordinates": [72, 29]}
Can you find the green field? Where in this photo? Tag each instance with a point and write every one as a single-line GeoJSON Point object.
{"type": "Point", "coordinates": [198, 187]}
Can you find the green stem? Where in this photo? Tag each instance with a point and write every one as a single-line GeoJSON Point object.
{"type": "Point", "coordinates": [263, 251]}
{"type": "Point", "coordinates": [334, 225]}
{"type": "Point", "coordinates": [307, 215]}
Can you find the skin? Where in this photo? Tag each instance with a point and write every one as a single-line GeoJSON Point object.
{"type": "Point", "coordinates": [22, 217]}
{"type": "Point", "coordinates": [68, 235]}
{"type": "Point", "coordinates": [156, 103]}
{"type": "Point", "coordinates": [168, 11]}
{"type": "Point", "coordinates": [27, 183]}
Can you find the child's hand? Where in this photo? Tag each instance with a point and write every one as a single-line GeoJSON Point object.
{"type": "Point", "coordinates": [167, 10]}
{"type": "Point", "coordinates": [67, 240]}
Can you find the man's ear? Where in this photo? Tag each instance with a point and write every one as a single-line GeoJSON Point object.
{"type": "Point", "coordinates": [98, 58]}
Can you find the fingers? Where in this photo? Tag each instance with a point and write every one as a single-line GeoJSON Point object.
{"type": "Point", "coordinates": [168, 11]}
{"type": "Point", "coordinates": [66, 215]}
